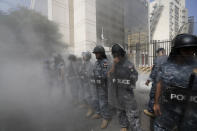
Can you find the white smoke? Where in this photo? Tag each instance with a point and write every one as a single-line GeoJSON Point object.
{"type": "Point", "coordinates": [27, 39]}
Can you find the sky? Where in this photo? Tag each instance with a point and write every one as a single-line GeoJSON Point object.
{"type": "Point", "coordinates": [12, 4]}
{"type": "Point", "coordinates": [192, 8]}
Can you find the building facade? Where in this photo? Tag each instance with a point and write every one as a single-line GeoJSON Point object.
{"type": "Point", "coordinates": [167, 16]}
{"type": "Point", "coordinates": [110, 21]}
{"type": "Point", "coordinates": [136, 30]}
{"type": "Point", "coordinates": [86, 23]}
{"type": "Point", "coordinates": [57, 11]}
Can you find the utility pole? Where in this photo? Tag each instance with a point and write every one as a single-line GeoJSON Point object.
{"type": "Point", "coordinates": [102, 37]}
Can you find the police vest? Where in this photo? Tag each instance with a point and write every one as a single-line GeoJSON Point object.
{"type": "Point", "coordinates": [122, 78]}
{"type": "Point", "coordinates": [180, 95]}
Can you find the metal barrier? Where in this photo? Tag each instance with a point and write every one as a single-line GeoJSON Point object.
{"type": "Point", "coordinates": [154, 45]}
{"type": "Point", "coordinates": [138, 54]}
{"type": "Point", "coordinates": [142, 55]}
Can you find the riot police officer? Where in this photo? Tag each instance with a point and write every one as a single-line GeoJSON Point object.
{"type": "Point", "coordinates": [121, 95]}
{"type": "Point", "coordinates": [158, 61]}
{"type": "Point", "coordinates": [171, 98]}
{"type": "Point", "coordinates": [60, 72]}
{"type": "Point", "coordinates": [49, 73]}
{"type": "Point", "coordinates": [85, 75]}
{"type": "Point", "coordinates": [80, 74]}
{"type": "Point", "coordinates": [100, 98]}
{"type": "Point", "coordinates": [72, 77]}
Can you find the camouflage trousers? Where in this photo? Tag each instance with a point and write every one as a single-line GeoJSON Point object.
{"type": "Point", "coordinates": [74, 89]}
{"type": "Point", "coordinates": [129, 114]}
{"type": "Point", "coordinates": [152, 98]}
{"type": "Point", "coordinates": [173, 118]}
{"type": "Point", "coordinates": [87, 93]}
{"type": "Point", "coordinates": [100, 102]}
{"type": "Point", "coordinates": [81, 92]}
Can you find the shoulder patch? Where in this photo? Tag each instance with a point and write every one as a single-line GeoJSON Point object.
{"type": "Point", "coordinates": [131, 68]}
{"type": "Point", "coordinates": [105, 64]}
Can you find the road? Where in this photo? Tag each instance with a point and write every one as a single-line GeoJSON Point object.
{"type": "Point", "coordinates": [61, 115]}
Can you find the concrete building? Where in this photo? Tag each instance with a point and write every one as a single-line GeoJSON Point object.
{"type": "Point", "coordinates": [136, 30]}
{"type": "Point", "coordinates": [166, 17]}
{"type": "Point", "coordinates": [108, 21]}
{"type": "Point", "coordinates": [85, 23]}
{"type": "Point", "coordinates": [57, 11]}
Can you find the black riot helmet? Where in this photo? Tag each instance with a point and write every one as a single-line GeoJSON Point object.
{"type": "Point", "coordinates": [87, 55]}
{"type": "Point", "coordinates": [72, 57]}
{"type": "Point", "coordinates": [184, 40]}
{"type": "Point", "coordinates": [101, 50]}
{"type": "Point", "coordinates": [117, 50]}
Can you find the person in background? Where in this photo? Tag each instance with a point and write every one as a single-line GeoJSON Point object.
{"type": "Point", "coordinates": [60, 72]}
{"type": "Point", "coordinates": [72, 78]}
{"type": "Point", "coordinates": [85, 75]}
{"type": "Point", "coordinates": [158, 61]}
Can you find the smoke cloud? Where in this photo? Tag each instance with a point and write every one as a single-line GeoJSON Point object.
{"type": "Point", "coordinates": [26, 40]}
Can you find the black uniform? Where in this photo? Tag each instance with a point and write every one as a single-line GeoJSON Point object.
{"type": "Point", "coordinates": [121, 94]}
{"type": "Point", "coordinates": [178, 108]}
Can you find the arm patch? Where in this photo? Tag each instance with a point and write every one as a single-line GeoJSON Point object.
{"type": "Point", "coordinates": [105, 65]}
{"type": "Point", "coordinates": [131, 68]}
